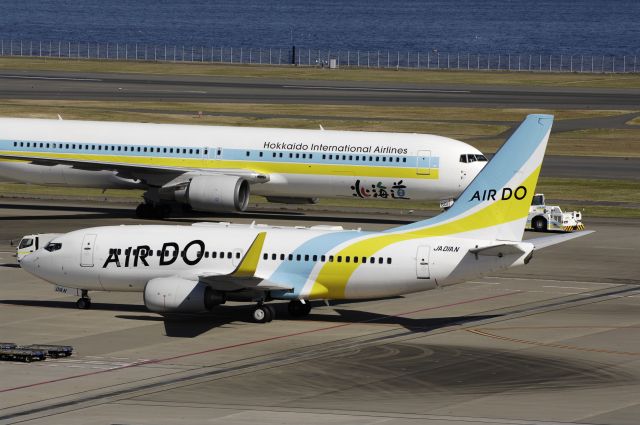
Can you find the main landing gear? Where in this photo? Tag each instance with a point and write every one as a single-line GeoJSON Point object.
{"type": "Point", "coordinates": [84, 303]}
{"type": "Point", "coordinates": [299, 308]}
{"type": "Point", "coordinates": [153, 211]}
{"type": "Point", "coordinates": [264, 313]}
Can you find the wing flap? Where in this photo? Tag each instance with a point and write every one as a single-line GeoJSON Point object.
{"type": "Point", "coordinates": [498, 250]}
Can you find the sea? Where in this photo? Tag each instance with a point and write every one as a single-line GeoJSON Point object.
{"type": "Point", "coordinates": [589, 27]}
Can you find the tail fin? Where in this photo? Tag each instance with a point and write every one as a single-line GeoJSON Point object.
{"type": "Point", "coordinates": [496, 203]}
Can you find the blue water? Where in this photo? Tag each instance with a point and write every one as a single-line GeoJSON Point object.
{"type": "Point", "coordinates": [601, 27]}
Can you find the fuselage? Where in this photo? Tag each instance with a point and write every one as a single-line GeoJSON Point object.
{"type": "Point", "coordinates": [308, 261]}
{"type": "Point", "coordinates": [298, 163]}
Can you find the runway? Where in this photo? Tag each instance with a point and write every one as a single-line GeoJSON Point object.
{"type": "Point", "coordinates": [554, 341]}
{"type": "Point", "coordinates": [91, 86]}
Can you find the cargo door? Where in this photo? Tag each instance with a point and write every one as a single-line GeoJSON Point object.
{"type": "Point", "coordinates": [423, 167]}
{"type": "Point", "coordinates": [422, 262]}
{"type": "Point", "coordinates": [86, 255]}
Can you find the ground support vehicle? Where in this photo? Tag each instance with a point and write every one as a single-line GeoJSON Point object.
{"type": "Point", "coordinates": [53, 351]}
{"type": "Point", "coordinates": [544, 217]}
{"type": "Point", "coordinates": [30, 243]}
{"type": "Point", "coordinates": [22, 354]}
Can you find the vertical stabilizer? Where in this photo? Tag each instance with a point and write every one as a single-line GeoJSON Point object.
{"type": "Point", "coordinates": [496, 203]}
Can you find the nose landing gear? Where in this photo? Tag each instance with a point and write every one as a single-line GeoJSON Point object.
{"type": "Point", "coordinates": [84, 303]}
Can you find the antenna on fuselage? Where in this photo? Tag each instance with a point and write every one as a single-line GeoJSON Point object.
{"type": "Point", "coordinates": [321, 127]}
{"type": "Point", "coordinates": [59, 117]}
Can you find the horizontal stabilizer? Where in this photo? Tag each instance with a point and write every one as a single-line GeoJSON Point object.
{"type": "Point", "coordinates": [498, 250]}
{"type": "Point", "coordinates": [545, 241]}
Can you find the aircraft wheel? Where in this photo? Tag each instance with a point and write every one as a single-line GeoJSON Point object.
{"type": "Point", "coordinates": [83, 303]}
{"type": "Point", "coordinates": [262, 314]}
{"type": "Point", "coordinates": [272, 311]}
{"type": "Point", "coordinates": [143, 211]}
{"type": "Point", "coordinates": [298, 309]}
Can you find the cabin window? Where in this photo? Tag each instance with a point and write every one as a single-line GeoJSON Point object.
{"type": "Point", "coordinates": [331, 258]}
{"type": "Point", "coordinates": [323, 258]}
{"type": "Point", "coordinates": [290, 257]}
{"type": "Point", "coordinates": [380, 260]}
{"type": "Point", "coordinates": [306, 257]}
{"type": "Point", "coordinates": [315, 258]}
{"type": "Point", "coordinates": [347, 259]}
{"type": "Point", "coordinates": [355, 259]}
{"type": "Point", "coordinates": [274, 256]}
{"type": "Point", "coordinates": [265, 256]}
{"type": "Point", "coordinates": [282, 257]}
{"type": "Point", "coordinates": [388, 260]}
{"type": "Point", "coordinates": [261, 154]}
{"type": "Point", "coordinates": [339, 258]}
{"type": "Point", "coordinates": [214, 254]}
{"type": "Point", "coordinates": [298, 257]}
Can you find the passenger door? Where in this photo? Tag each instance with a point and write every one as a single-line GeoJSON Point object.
{"type": "Point", "coordinates": [86, 255]}
{"type": "Point", "coordinates": [423, 166]}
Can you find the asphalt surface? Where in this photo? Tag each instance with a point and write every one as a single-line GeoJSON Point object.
{"type": "Point", "coordinates": [551, 342]}
{"type": "Point", "coordinates": [76, 86]}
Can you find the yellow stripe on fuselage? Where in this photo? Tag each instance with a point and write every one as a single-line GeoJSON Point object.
{"type": "Point", "coordinates": [332, 279]}
{"type": "Point", "coordinates": [264, 167]}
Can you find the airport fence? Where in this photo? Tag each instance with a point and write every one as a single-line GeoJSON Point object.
{"type": "Point", "coordinates": [301, 56]}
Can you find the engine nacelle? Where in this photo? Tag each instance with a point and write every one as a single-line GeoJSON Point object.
{"type": "Point", "coordinates": [214, 193]}
{"type": "Point", "coordinates": [175, 295]}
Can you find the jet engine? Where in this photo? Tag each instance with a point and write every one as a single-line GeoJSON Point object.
{"type": "Point", "coordinates": [214, 193]}
{"type": "Point", "coordinates": [176, 295]}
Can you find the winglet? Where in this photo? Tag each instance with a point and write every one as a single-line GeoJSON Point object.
{"type": "Point", "coordinates": [249, 264]}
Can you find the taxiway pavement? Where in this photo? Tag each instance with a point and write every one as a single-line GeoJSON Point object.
{"type": "Point", "coordinates": [132, 87]}
{"type": "Point", "coordinates": [554, 341]}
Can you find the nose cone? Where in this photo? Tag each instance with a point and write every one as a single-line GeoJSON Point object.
{"type": "Point", "coordinates": [30, 262]}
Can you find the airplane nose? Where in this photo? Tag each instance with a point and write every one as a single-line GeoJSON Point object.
{"type": "Point", "coordinates": [30, 262]}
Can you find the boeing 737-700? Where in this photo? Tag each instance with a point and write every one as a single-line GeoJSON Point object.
{"type": "Point", "coordinates": [212, 168]}
{"type": "Point", "coordinates": [183, 269]}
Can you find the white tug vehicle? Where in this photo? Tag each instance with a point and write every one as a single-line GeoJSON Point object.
{"type": "Point", "coordinates": [544, 217]}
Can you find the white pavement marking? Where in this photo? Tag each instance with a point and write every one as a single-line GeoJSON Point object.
{"type": "Point", "coordinates": [556, 280]}
{"type": "Point", "coordinates": [377, 89]}
{"type": "Point", "coordinates": [31, 77]}
{"type": "Point", "coordinates": [563, 287]}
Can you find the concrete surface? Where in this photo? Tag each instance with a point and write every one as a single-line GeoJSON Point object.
{"type": "Point", "coordinates": [556, 341]}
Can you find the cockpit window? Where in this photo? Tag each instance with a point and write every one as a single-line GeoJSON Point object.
{"type": "Point", "coordinates": [53, 246]}
{"type": "Point", "coordinates": [25, 243]}
{"type": "Point", "coordinates": [472, 157]}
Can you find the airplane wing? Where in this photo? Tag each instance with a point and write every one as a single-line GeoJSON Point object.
{"type": "Point", "coordinates": [545, 241]}
{"type": "Point", "coordinates": [244, 275]}
{"type": "Point", "coordinates": [159, 175]}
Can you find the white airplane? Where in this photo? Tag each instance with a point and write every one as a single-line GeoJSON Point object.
{"type": "Point", "coordinates": [212, 168]}
{"type": "Point", "coordinates": [182, 269]}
